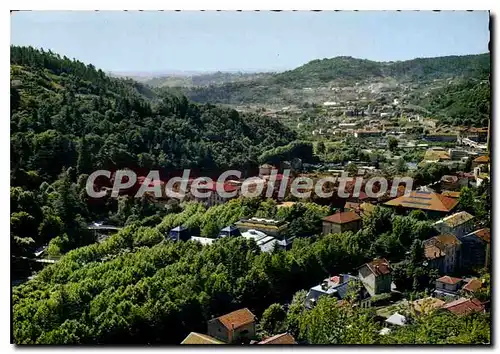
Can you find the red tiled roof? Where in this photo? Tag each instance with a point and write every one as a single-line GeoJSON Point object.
{"type": "Point", "coordinates": [362, 195]}
{"type": "Point", "coordinates": [449, 280]}
{"type": "Point", "coordinates": [464, 306]}
{"type": "Point", "coordinates": [482, 159]}
{"type": "Point", "coordinates": [283, 339]}
{"type": "Point", "coordinates": [342, 217]}
{"type": "Point", "coordinates": [473, 285]}
{"type": "Point", "coordinates": [451, 194]}
{"type": "Point", "coordinates": [483, 234]}
{"type": "Point", "coordinates": [153, 182]}
{"type": "Point", "coordinates": [424, 201]}
{"type": "Point", "coordinates": [237, 318]}
{"type": "Point", "coordinates": [379, 266]}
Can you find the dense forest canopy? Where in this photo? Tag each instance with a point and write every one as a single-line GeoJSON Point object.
{"type": "Point", "coordinates": [465, 103]}
{"type": "Point", "coordinates": [69, 119]}
{"type": "Point", "coordinates": [138, 287]}
{"type": "Point", "coordinates": [64, 111]}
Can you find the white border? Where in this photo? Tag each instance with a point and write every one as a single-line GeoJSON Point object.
{"type": "Point", "coordinates": [256, 4]}
{"type": "Point", "coordinates": [195, 5]}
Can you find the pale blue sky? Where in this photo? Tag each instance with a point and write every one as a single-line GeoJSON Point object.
{"type": "Point", "coordinates": [210, 41]}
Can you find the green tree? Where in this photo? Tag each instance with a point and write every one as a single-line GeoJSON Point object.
{"type": "Point", "coordinates": [320, 148]}
{"type": "Point", "coordinates": [331, 323]}
{"type": "Point", "coordinates": [84, 162]}
{"type": "Point", "coordinates": [392, 144]}
{"type": "Point", "coordinates": [272, 320]}
{"type": "Point", "coordinates": [351, 169]}
{"type": "Point", "coordinates": [418, 214]}
{"type": "Point", "coordinates": [466, 199]}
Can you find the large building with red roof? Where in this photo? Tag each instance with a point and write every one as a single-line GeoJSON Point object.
{"type": "Point", "coordinates": [464, 306]}
{"type": "Point", "coordinates": [430, 202]}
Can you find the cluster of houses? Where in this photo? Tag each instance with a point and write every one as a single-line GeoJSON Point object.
{"type": "Point", "coordinates": [373, 279]}
{"type": "Point", "coordinates": [364, 124]}
{"type": "Point", "coordinates": [268, 234]}
{"type": "Point", "coordinates": [460, 245]}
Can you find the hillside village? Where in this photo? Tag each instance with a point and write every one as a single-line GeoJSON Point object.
{"type": "Point", "coordinates": [409, 268]}
{"type": "Point", "coordinates": [460, 247]}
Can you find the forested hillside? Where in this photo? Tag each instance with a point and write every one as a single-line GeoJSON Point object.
{"type": "Point", "coordinates": [287, 87]}
{"type": "Point", "coordinates": [63, 111]}
{"type": "Point", "coordinates": [467, 103]}
{"type": "Point", "coordinates": [69, 119]}
{"type": "Point", "coordinates": [138, 288]}
{"type": "Point", "coordinates": [350, 70]}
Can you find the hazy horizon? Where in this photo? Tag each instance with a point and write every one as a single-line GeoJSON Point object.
{"type": "Point", "coordinates": [181, 73]}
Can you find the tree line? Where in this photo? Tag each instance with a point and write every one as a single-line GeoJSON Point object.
{"type": "Point", "coordinates": [138, 287]}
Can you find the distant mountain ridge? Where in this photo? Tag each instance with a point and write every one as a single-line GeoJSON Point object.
{"type": "Point", "coordinates": [339, 71]}
{"type": "Point", "coordinates": [349, 68]}
{"type": "Point", "coordinates": [202, 79]}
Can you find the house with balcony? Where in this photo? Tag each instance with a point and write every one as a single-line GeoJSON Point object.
{"type": "Point", "coordinates": [481, 161]}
